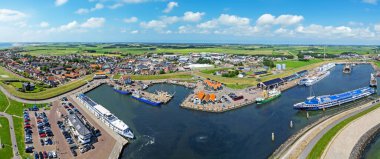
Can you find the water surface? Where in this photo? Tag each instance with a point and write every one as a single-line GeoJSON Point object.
{"type": "Point", "coordinates": [170, 131]}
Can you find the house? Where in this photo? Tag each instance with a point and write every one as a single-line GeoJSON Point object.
{"type": "Point", "coordinates": [79, 129]}
{"type": "Point", "coordinates": [28, 86]}
{"type": "Point", "coordinates": [125, 80]}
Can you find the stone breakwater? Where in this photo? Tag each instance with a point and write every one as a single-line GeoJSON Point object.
{"type": "Point", "coordinates": [367, 138]}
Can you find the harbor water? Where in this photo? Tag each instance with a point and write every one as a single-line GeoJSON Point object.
{"type": "Point", "coordinates": [170, 131]}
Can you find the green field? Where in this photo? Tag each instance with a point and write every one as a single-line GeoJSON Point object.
{"type": "Point", "coordinates": [321, 145]}
{"type": "Point", "coordinates": [291, 64]}
{"type": "Point", "coordinates": [50, 92]}
{"type": "Point", "coordinates": [5, 136]}
{"type": "Point", "coordinates": [119, 49]}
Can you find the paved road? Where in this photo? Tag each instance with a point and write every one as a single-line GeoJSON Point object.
{"type": "Point", "coordinates": [304, 144]}
{"type": "Point", "coordinates": [13, 135]}
{"type": "Point", "coordinates": [350, 135]}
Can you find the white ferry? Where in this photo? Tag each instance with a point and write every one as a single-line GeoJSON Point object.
{"type": "Point", "coordinates": [317, 78]}
{"type": "Point", "coordinates": [106, 116]}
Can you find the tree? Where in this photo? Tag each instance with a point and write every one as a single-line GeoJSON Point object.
{"type": "Point", "coordinates": [268, 63]}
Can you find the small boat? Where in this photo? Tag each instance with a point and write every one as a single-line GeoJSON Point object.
{"type": "Point", "coordinates": [136, 95]}
{"type": "Point", "coordinates": [347, 69]}
{"type": "Point", "coordinates": [120, 90]}
{"type": "Point", "coordinates": [373, 81]}
{"type": "Point", "coordinates": [268, 96]}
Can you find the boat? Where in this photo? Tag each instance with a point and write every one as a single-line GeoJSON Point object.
{"type": "Point", "coordinates": [327, 101]}
{"type": "Point", "coordinates": [120, 90]}
{"type": "Point", "coordinates": [268, 96]}
{"type": "Point", "coordinates": [106, 117]}
{"type": "Point", "coordinates": [373, 81]}
{"type": "Point", "coordinates": [136, 95]}
{"type": "Point", "coordinates": [303, 81]}
{"type": "Point", "coordinates": [317, 78]}
{"type": "Point", "coordinates": [327, 67]}
{"type": "Point", "coordinates": [347, 69]}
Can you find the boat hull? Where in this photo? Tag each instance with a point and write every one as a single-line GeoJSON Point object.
{"type": "Point", "coordinates": [147, 101]}
{"type": "Point", "coordinates": [268, 99]}
{"type": "Point", "coordinates": [122, 92]}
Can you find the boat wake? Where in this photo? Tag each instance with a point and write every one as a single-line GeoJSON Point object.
{"type": "Point", "coordinates": [145, 140]}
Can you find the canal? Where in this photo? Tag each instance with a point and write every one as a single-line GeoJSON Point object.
{"type": "Point", "coordinates": [170, 131]}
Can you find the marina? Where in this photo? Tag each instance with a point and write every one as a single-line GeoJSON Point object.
{"type": "Point", "coordinates": [193, 130]}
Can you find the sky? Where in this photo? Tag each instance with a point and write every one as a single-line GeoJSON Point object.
{"type": "Point", "coordinates": [346, 22]}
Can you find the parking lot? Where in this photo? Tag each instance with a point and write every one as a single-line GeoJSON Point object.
{"type": "Point", "coordinates": [50, 134]}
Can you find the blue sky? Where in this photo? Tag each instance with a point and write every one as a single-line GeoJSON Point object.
{"type": "Point", "coordinates": [192, 21]}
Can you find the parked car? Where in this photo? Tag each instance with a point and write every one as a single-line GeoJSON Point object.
{"type": "Point", "coordinates": [73, 152]}
{"type": "Point", "coordinates": [36, 155]}
{"type": "Point", "coordinates": [45, 154]}
{"type": "Point", "coordinates": [41, 155]}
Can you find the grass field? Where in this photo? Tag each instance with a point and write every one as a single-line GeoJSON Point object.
{"type": "Point", "coordinates": [5, 136]}
{"type": "Point", "coordinates": [321, 145]}
{"type": "Point", "coordinates": [291, 64]}
{"type": "Point", "coordinates": [48, 93]}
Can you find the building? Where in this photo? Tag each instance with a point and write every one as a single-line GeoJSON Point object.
{"type": "Point", "coordinates": [28, 87]}
{"type": "Point", "coordinates": [79, 129]}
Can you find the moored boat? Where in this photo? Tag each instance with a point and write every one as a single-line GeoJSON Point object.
{"type": "Point", "coordinates": [373, 81]}
{"type": "Point", "coordinates": [136, 95]}
{"type": "Point", "coordinates": [347, 69]}
{"type": "Point", "coordinates": [268, 96]}
{"type": "Point", "coordinates": [121, 91]}
{"type": "Point", "coordinates": [326, 101]}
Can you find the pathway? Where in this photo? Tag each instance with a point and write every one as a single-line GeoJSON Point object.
{"type": "Point", "coordinates": [13, 135]}
{"type": "Point", "coordinates": [350, 135]}
{"type": "Point", "coordinates": [303, 145]}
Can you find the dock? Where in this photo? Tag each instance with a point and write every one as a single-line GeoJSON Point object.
{"type": "Point", "coordinates": [160, 96]}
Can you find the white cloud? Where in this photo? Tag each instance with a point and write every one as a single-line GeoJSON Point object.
{"type": "Point", "coordinates": [376, 27]}
{"type": "Point", "coordinates": [134, 1]}
{"type": "Point", "coordinates": [116, 5]}
{"type": "Point", "coordinates": [60, 2]}
{"type": "Point", "coordinates": [66, 27]}
{"type": "Point", "coordinates": [170, 19]}
{"type": "Point", "coordinates": [134, 32]}
{"type": "Point", "coordinates": [208, 25]}
{"type": "Point", "coordinates": [285, 20]}
{"type": "Point", "coordinates": [153, 24]}
{"type": "Point", "coordinates": [193, 16]}
{"type": "Point", "coordinates": [82, 11]}
{"type": "Point", "coordinates": [374, 2]}
{"type": "Point", "coordinates": [98, 6]}
{"type": "Point", "coordinates": [130, 20]}
{"type": "Point", "coordinates": [226, 19]}
{"type": "Point", "coordinates": [8, 15]}
{"type": "Point", "coordinates": [44, 24]}
{"type": "Point", "coordinates": [170, 7]}
{"type": "Point", "coordinates": [93, 23]}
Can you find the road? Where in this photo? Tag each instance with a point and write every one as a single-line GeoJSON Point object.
{"type": "Point", "coordinates": [305, 143]}
{"type": "Point", "coordinates": [13, 135]}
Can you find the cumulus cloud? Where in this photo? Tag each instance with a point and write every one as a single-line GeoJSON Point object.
{"type": "Point", "coordinates": [232, 20]}
{"type": "Point", "coordinates": [44, 24]}
{"type": "Point", "coordinates": [376, 27]}
{"type": "Point", "coordinates": [193, 16]}
{"type": "Point", "coordinates": [60, 2]}
{"type": "Point", "coordinates": [8, 15]}
{"type": "Point", "coordinates": [153, 24]}
{"type": "Point", "coordinates": [134, 32]}
{"type": "Point", "coordinates": [284, 20]}
{"type": "Point", "coordinates": [170, 6]}
{"type": "Point", "coordinates": [130, 20]}
{"type": "Point", "coordinates": [97, 6]}
{"type": "Point", "coordinates": [374, 2]}
{"type": "Point", "coordinates": [116, 5]}
{"type": "Point", "coordinates": [93, 22]}
{"type": "Point", "coordinates": [134, 1]}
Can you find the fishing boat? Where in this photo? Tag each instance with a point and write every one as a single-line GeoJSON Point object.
{"type": "Point", "coordinates": [327, 101]}
{"type": "Point", "coordinates": [121, 90]}
{"type": "Point", "coordinates": [106, 117]}
{"type": "Point", "coordinates": [373, 81]}
{"type": "Point", "coordinates": [268, 96]}
{"type": "Point", "coordinates": [347, 69]}
{"type": "Point", "coordinates": [137, 95]}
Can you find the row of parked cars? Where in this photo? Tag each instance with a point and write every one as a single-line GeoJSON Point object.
{"type": "Point", "coordinates": [43, 125]}
{"type": "Point", "coordinates": [44, 154]}
{"type": "Point", "coordinates": [28, 132]}
{"type": "Point", "coordinates": [68, 137]}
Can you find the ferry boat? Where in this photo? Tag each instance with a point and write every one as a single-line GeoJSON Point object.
{"type": "Point", "coordinates": [373, 81]}
{"type": "Point", "coordinates": [316, 79]}
{"type": "Point", "coordinates": [327, 67]}
{"type": "Point", "coordinates": [326, 101]}
{"type": "Point", "coordinates": [303, 81]}
{"type": "Point", "coordinates": [106, 117]}
{"type": "Point", "coordinates": [136, 95]}
{"type": "Point", "coordinates": [268, 96]}
{"type": "Point", "coordinates": [120, 90]}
